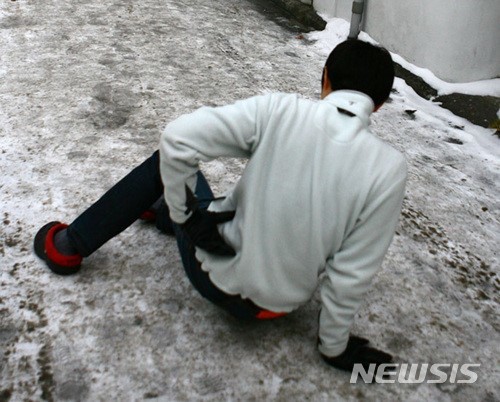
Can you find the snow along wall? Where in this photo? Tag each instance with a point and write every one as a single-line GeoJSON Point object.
{"type": "Point", "coordinates": [455, 39]}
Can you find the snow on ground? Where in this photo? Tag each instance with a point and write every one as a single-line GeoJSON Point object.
{"type": "Point", "coordinates": [85, 88]}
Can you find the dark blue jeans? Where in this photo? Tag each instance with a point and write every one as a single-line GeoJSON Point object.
{"type": "Point", "coordinates": [122, 205]}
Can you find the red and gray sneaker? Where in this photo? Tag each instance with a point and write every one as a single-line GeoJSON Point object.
{"type": "Point", "coordinates": [158, 214]}
{"type": "Point", "coordinates": [45, 248]}
{"type": "Point", "coordinates": [148, 216]}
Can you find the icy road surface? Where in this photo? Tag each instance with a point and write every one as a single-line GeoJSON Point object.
{"type": "Point", "coordinates": [85, 89]}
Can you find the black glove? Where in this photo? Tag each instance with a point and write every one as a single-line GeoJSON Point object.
{"type": "Point", "coordinates": [357, 351]}
{"type": "Point", "coordinates": [201, 227]}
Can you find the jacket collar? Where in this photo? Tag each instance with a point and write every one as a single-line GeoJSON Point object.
{"type": "Point", "coordinates": [354, 102]}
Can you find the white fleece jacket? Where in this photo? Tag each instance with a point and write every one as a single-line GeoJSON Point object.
{"type": "Point", "coordinates": [320, 193]}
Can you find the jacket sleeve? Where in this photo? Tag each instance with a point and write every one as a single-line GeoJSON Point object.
{"type": "Point", "coordinates": [350, 271]}
{"type": "Point", "coordinates": [227, 131]}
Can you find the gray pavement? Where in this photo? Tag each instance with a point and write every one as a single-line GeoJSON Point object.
{"type": "Point", "coordinates": [85, 89]}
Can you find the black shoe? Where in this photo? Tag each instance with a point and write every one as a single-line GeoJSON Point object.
{"type": "Point", "coordinates": [45, 249]}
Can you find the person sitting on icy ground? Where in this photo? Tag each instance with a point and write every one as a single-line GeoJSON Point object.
{"type": "Point", "coordinates": [320, 193]}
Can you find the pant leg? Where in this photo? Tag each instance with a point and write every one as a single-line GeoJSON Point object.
{"type": "Point", "coordinates": [200, 279]}
{"type": "Point", "coordinates": [118, 208]}
{"type": "Point", "coordinates": [123, 203]}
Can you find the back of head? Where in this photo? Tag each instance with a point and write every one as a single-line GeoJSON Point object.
{"type": "Point", "coordinates": [363, 67]}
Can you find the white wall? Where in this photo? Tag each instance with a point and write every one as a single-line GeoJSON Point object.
{"type": "Point", "coordinates": [334, 8]}
{"type": "Point", "coordinates": [458, 40]}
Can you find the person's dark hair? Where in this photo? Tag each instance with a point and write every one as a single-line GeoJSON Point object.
{"type": "Point", "coordinates": [363, 67]}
